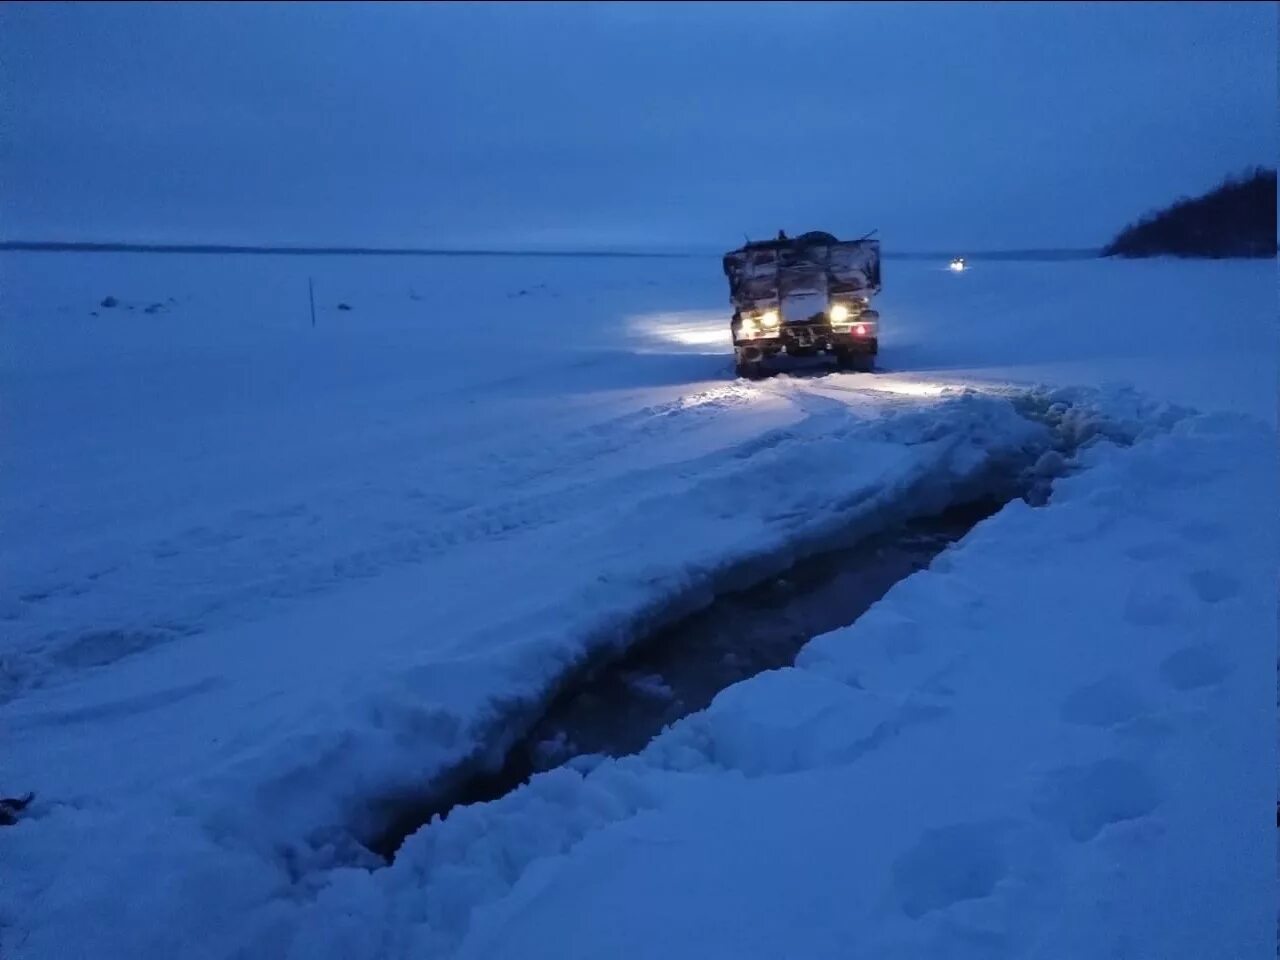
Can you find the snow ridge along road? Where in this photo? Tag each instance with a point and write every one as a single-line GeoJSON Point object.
{"type": "Point", "coordinates": [265, 585]}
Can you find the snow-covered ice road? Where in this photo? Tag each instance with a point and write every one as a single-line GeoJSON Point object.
{"type": "Point", "coordinates": [262, 581]}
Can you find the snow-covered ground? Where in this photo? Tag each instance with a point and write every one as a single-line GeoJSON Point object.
{"type": "Point", "coordinates": [264, 580]}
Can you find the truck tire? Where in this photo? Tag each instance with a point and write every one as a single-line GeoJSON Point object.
{"type": "Point", "coordinates": [750, 369]}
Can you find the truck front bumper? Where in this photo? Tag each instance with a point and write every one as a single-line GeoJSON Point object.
{"type": "Point", "coordinates": [806, 340]}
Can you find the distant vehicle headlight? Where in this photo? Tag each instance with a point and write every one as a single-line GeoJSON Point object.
{"type": "Point", "coordinates": [769, 319]}
{"type": "Point", "coordinates": [839, 313]}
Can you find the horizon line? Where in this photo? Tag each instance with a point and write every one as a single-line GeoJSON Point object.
{"type": "Point", "coordinates": [96, 246]}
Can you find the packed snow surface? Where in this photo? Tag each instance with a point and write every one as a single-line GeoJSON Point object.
{"type": "Point", "coordinates": [265, 581]}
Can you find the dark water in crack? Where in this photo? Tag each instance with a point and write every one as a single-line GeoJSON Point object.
{"type": "Point", "coordinates": [619, 707]}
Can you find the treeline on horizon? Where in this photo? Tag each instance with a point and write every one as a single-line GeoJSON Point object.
{"type": "Point", "coordinates": [1235, 219]}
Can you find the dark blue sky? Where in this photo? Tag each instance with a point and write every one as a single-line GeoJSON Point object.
{"type": "Point", "coordinates": [949, 126]}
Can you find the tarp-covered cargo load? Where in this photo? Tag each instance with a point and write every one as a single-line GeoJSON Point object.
{"type": "Point", "coordinates": [814, 266]}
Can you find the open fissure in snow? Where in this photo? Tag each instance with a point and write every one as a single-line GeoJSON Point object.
{"type": "Point", "coordinates": [615, 707]}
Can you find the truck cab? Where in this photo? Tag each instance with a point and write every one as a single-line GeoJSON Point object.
{"type": "Point", "coordinates": [804, 296]}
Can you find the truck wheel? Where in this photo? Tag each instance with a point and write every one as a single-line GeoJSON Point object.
{"type": "Point", "coordinates": [750, 369]}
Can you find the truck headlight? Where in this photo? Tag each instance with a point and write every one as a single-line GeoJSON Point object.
{"type": "Point", "coordinates": [839, 313]}
{"type": "Point", "coordinates": [769, 319]}
{"type": "Point", "coordinates": [747, 331]}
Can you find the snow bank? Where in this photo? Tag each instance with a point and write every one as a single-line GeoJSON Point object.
{"type": "Point", "coordinates": [280, 749]}
{"type": "Point", "coordinates": [977, 768]}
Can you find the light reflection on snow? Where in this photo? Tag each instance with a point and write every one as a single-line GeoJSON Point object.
{"type": "Point", "coordinates": [730, 392]}
{"type": "Point", "coordinates": [685, 328]}
{"type": "Point", "coordinates": [908, 388]}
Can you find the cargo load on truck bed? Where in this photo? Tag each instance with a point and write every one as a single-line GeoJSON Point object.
{"type": "Point", "coordinates": [804, 296]}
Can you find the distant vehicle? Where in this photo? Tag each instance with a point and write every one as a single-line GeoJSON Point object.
{"type": "Point", "coordinates": [804, 296]}
{"type": "Point", "coordinates": [958, 264]}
